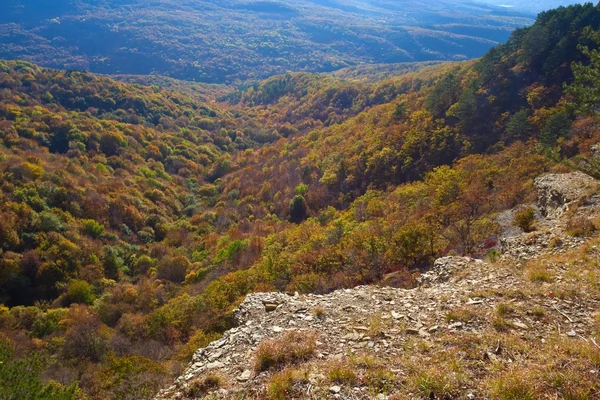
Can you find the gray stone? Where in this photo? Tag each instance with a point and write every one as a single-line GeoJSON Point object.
{"type": "Point", "coordinates": [245, 376]}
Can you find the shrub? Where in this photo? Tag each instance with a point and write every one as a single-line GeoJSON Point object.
{"type": "Point", "coordinates": [111, 262]}
{"type": "Point", "coordinates": [281, 385]}
{"type": "Point", "coordinates": [494, 256]}
{"type": "Point", "coordinates": [319, 312]}
{"type": "Point", "coordinates": [198, 341]}
{"type": "Point", "coordinates": [201, 387]}
{"type": "Point", "coordinates": [342, 373]}
{"type": "Point", "coordinates": [538, 274]}
{"type": "Point", "coordinates": [525, 219]}
{"type": "Point", "coordinates": [84, 339]}
{"type": "Point", "coordinates": [50, 222]}
{"type": "Point", "coordinates": [133, 377]}
{"type": "Point", "coordinates": [27, 171]}
{"type": "Point", "coordinates": [301, 189]}
{"type": "Point", "coordinates": [19, 377]}
{"type": "Point", "coordinates": [231, 252]}
{"type": "Point", "coordinates": [291, 348]}
{"type": "Point", "coordinates": [93, 228]}
{"type": "Point", "coordinates": [47, 323]}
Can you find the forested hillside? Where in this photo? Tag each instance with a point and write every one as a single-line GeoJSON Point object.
{"type": "Point", "coordinates": [134, 218]}
{"type": "Point", "coordinates": [225, 41]}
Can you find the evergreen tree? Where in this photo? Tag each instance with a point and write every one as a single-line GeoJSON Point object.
{"type": "Point", "coordinates": [586, 88]}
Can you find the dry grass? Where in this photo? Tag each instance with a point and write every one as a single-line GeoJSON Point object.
{"type": "Point", "coordinates": [375, 325]}
{"type": "Point", "coordinates": [538, 272]}
{"type": "Point", "coordinates": [580, 227]}
{"type": "Point", "coordinates": [538, 312]}
{"type": "Point", "coordinates": [500, 360]}
{"type": "Point", "coordinates": [291, 348]}
{"type": "Point", "coordinates": [501, 325]}
{"type": "Point", "coordinates": [512, 386]}
{"type": "Point", "coordinates": [434, 384]}
{"type": "Point", "coordinates": [461, 315]}
{"type": "Point", "coordinates": [342, 372]}
{"type": "Point", "coordinates": [597, 322]}
{"type": "Point", "coordinates": [505, 309]}
{"type": "Point", "coordinates": [319, 312]}
{"type": "Point", "coordinates": [282, 385]}
{"type": "Point", "coordinates": [199, 388]}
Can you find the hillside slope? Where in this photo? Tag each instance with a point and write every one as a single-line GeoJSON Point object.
{"type": "Point", "coordinates": [136, 218]}
{"type": "Point", "coordinates": [522, 327]}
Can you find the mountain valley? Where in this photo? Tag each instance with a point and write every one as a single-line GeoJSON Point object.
{"type": "Point", "coordinates": [418, 230]}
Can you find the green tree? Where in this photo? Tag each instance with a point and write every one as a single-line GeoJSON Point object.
{"type": "Point", "coordinates": [413, 245]}
{"type": "Point", "coordinates": [19, 378]}
{"type": "Point", "coordinates": [111, 262]}
{"type": "Point", "coordinates": [80, 292]}
{"type": "Point", "coordinates": [585, 88]}
{"type": "Point", "coordinates": [518, 126]}
{"type": "Point", "coordinates": [445, 93]}
{"type": "Point", "coordinates": [556, 126]}
{"type": "Point", "coordinates": [298, 209]}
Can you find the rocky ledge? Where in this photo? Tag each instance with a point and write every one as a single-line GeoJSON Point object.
{"type": "Point", "coordinates": [458, 297]}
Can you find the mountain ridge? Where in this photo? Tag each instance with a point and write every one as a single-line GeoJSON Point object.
{"type": "Point", "coordinates": [227, 42]}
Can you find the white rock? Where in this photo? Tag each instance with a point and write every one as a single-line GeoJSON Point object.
{"type": "Point", "coordinates": [335, 389]}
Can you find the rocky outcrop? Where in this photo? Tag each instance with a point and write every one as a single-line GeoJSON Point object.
{"type": "Point", "coordinates": [444, 268]}
{"type": "Point", "coordinates": [556, 192]}
{"type": "Point", "coordinates": [562, 199]}
{"type": "Point", "coordinates": [382, 320]}
{"type": "Point", "coordinates": [367, 318]}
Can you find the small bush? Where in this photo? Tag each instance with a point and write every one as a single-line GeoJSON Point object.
{"type": "Point", "coordinates": [494, 256]}
{"type": "Point", "coordinates": [375, 326]}
{"type": "Point", "coordinates": [291, 348]}
{"type": "Point", "coordinates": [380, 380]}
{"type": "Point", "coordinates": [433, 384]}
{"type": "Point", "coordinates": [504, 309]}
{"type": "Point", "coordinates": [512, 387]}
{"type": "Point", "coordinates": [319, 312]}
{"type": "Point", "coordinates": [539, 275]}
{"type": "Point", "coordinates": [281, 385]}
{"type": "Point", "coordinates": [173, 269]}
{"type": "Point", "coordinates": [198, 341]}
{"type": "Point", "coordinates": [201, 387]}
{"type": "Point", "coordinates": [555, 242]}
{"type": "Point", "coordinates": [538, 312]}
{"type": "Point", "coordinates": [501, 325]}
{"type": "Point", "coordinates": [525, 219]}
{"type": "Point", "coordinates": [342, 373]}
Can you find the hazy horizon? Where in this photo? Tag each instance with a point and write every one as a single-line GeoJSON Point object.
{"type": "Point", "coordinates": [533, 5]}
